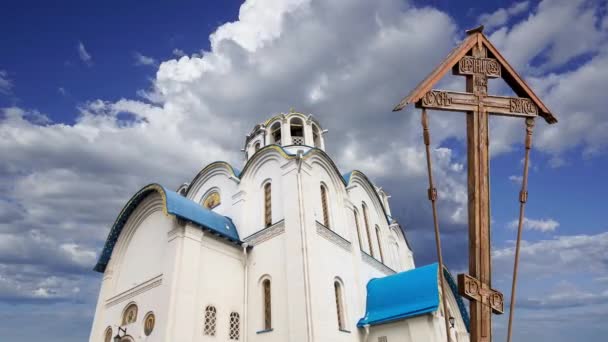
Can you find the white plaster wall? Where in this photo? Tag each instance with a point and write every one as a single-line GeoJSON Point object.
{"type": "Point", "coordinates": [220, 282]}
{"type": "Point", "coordinates": [138, 272]}
{"type": "Point", "coordinates": [267, 260]}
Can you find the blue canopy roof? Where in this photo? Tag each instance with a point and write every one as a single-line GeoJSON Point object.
{"type": "Point", "coordinates": [174, 204]}
{"type": "Point", "coordinates": [407, 294]}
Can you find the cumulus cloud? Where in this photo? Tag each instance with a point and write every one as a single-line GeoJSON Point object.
{"type": "Point", "coordinates": [144, 60]}
{"type": "Point", "coordinates": [541, 225]}
{"type": "Point", "coordinates": [84, 55]}
{"type": "Point", "coordinates": [347, 62]}
{"type": "Point", "coordinates": [502, 15]}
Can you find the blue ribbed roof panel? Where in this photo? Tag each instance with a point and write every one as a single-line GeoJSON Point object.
{"type": "Point", "coordinates": [174, 204]}
{"type": "Point", "coordinates": [404, 295]}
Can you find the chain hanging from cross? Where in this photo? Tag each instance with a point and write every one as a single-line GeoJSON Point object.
{"type": "Point", "coordinates": [470, 59]}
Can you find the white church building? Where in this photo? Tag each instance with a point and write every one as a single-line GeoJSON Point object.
{"type": "Point", "coordinates": [287, 248]}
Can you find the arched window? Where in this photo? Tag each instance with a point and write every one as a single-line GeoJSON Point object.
{"type": "Point", "coordinates": [130, 314]}
{"type": "Point", "coordinates": [212, 200]}
{"type": "Point", "coordinates": [257, 146]}
{"type": "Point", "coordinates": [316, 136]}
{"type": "Point", "coordinates": [339, 304]}
{"type": "Point", "coordinates": [324, 206]}
{"type": "Point", "coordinates": [297, 131]}
{"type": "Point", "coordinates": [107, 335]}
{"type": "Point", "coordinates": [275, 133]}
{"type": "Point", "coordinates": [268, 204]}
{"type": "Point", "coordinates": [267, 304]}
{"type": "Point", "coordinates": [210, 320]}
{"type": "Point", "coordinates": [235, 323]}
{"type": "Point", "coordinates": [369, 234]}
{"type": "Point", "coordinates": [378, 237]}
{"type": "Point", "coordinates": [149, 322]}
{"type": "Point", "coordinates": [356, 214]}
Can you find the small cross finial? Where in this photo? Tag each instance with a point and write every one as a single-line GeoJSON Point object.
{"type": "Point", "coordinates": [475, 30]}
{"type": "Point", "coordinates": [292, 110]}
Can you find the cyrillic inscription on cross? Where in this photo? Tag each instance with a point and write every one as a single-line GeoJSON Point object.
{"type": "Point", "coordinates": [470, 59]}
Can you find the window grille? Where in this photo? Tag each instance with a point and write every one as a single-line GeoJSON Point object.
{"type": "Point", "coordinates": [324, 205]}
{"type": "Point", "coordinates": [382, 339]}
{"type": "Point", "coordinates": [267, 305]}
{"type": "Point", "coordinates": [235, 322]}
{"type": "Point", "coordinates": [210, 320]}
{"type": "Point", "coordinates": [267, 204]}
{"type": "Point", "coordinates": [298, 140]}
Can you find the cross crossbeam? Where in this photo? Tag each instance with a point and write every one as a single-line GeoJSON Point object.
{"type": "Point", "coordinates": [467, 102]}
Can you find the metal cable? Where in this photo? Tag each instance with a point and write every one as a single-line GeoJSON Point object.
{"type": "Point", "coordinates": [523, 198]}
{"type": "Point", "coordinates": [432, 193]}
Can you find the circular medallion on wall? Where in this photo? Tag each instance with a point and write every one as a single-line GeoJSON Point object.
{"type": "Point", "coordinates": [149, 321]}
{"type": "Point", "coordinates": [107, 336]}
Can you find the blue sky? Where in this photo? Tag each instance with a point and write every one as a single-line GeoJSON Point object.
{"type": "Point", "coordinates": [98, 99]}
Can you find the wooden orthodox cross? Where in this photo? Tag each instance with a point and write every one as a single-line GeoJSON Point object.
{"type": "Point", "coordinates": [478, 60]}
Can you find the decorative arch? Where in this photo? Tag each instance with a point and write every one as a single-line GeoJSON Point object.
{"type": "Point", "coordinates": [129, 314]}
{"type": "Point", "coordinates": [367, 228]}
{"type": "Point", "coordinates": [207, 172]}
{"type": "Point", "coordinates": [296, 129]}
{"type": "Point", "coordinates": [171, 204]}
{"type": "Point", "coordinates": [358, 226]}
{"type": "Point", "coordinates": [316, 136]}
{"type": "Point", "coordinates": [340, 303]}
{"type": "Point", "coordinates": [212, 198]}
{"type": "Point", "coordinates": [275, 134]}
{"type": "Point", "coordinates": [379, 239]}
{"type": "Point", "coordinates": [266, 295]}
{"type": "Point", "coordinates": [267, 200]}
{"type": "Point", "coordinates": [325, 205]}
{"type": "Point", "coordinates": [210, 323]}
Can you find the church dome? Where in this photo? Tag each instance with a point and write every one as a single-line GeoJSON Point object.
{"type": "Point", "coordinates": [285, 129]}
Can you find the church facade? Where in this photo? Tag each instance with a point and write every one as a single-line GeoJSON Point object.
{"type": "Point", "coordinates": [286, 249]}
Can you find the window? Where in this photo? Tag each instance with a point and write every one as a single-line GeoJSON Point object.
{"type": "Point", "coordinates": [130, 314]}
{"type": "Point", "coordinates": [297, 131]}
{"type": "Point", "coordinates": [212, 200]}
{"type": "Point", "coordinates": [379, 243]}
{"type": "Point", "coordinates": [257, 146]}
{"type": "Point", "coordinates": [324, 205]}
{"type": "Point", "coordinates": [210, 319]}
{"type": "Point", "coordinates": [339, 304]}
{"type": "Point", "coordinates": [369, 235]}
{"type": "Point", "coordinates": [316, 137]}
{"type": "Point", "coordinates": [267, 205]}
{"type": "Point", "coordinates": [149, 322]}
{"type": "Point", "coordinates": [107, 335]}
{"type": "Point", "coordinates": [267, 304]}
{"type": "Point", "coordinates": [275, 133]}
{"type": "Point", "coordinates": [356, 214]}
{"type": "Point", "coordinates": [235, 322]}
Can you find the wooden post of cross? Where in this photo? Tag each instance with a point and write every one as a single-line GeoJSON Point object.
{"type": "Point", "coordinates": [478, 60]}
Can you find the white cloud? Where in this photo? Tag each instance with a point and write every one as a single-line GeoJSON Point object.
{"type": "Point", "coordinates": [6, 84]}
{"type": "Point", "coordinates": [502, 15]}
{"type": "Point", "coordinates": [541, 225]}
{"type": "Point", "coordinates": [84, 55]}
{"type": "Point", "coordinates": [144, 60]}
{"type": "Point", "coordinates": [516, 179]}
{"type": "Point", "coordinates": [178, 52]}
{"type": "Point", "coordinates": [348, 63]}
